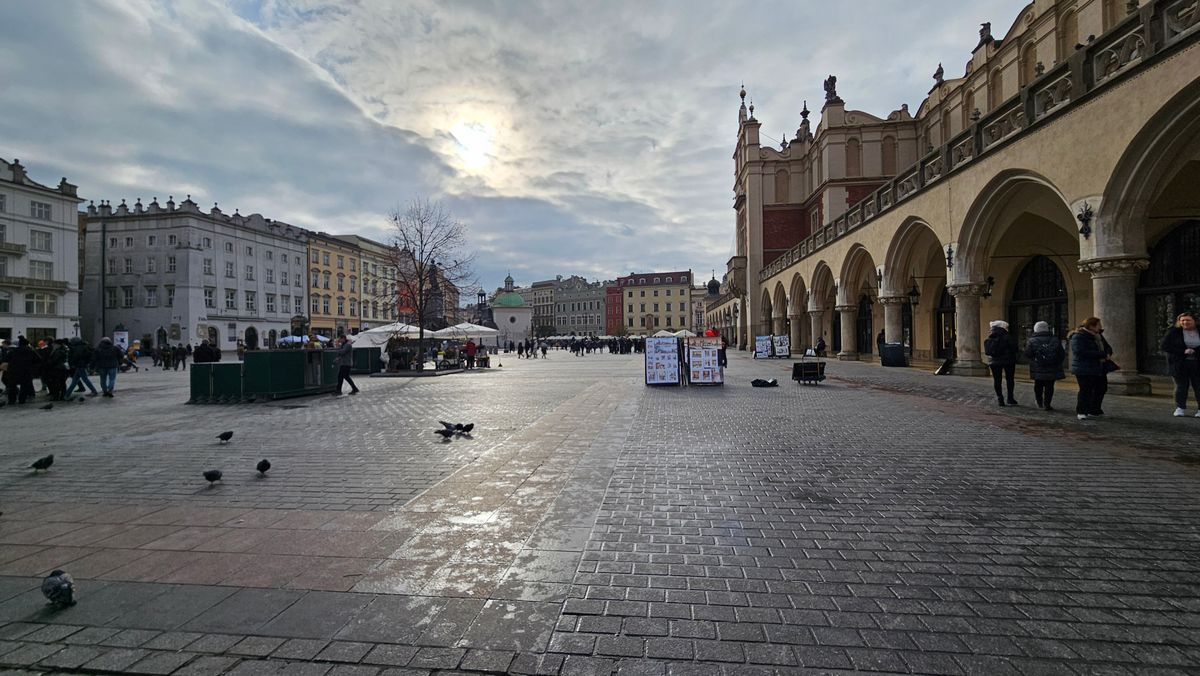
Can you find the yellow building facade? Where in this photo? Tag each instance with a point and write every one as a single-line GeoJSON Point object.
{"type": "Point", "coordinates": [333, 277]}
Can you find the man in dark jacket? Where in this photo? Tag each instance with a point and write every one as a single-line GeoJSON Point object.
{"type": "Point", "coordinates": [56, 368]}
{"type": "Point", "coordinates": [203, 353]}
{"type": "Point", "coordinates": [107, 361]}
{"type": "Point", "coordinates": [79, 358]}
{"type": "Point", "coordinates": [21, 361]}
{"type": "Point", "coordinates": [1045, 353]}
{"type": "Point", "coordinates": [344, 361]}
{"type": "Point", "coordinates": [1001, 349]}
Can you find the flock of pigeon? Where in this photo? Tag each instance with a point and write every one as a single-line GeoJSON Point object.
{"type": "Point", "coordinates": [59, 588]}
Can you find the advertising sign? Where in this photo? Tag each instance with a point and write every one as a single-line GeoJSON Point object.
{"type": "Point", "coordinates": [662, 361]}
{"type": "Point", "coordinates": [121, 339]}
{"type": "Point", "coordinates": [783, 346]}
{"type": "Point", "coordinates": [762, 347]}
{"type": "Point", "coordinates": [704, 362]}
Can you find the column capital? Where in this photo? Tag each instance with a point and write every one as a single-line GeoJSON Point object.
{"type": "Point", "coordinates": [975, 289]}
{"type": "Point", "coordinates": [846, 308]}
{"type": "Point", "coordinates": [817, 312]}
{"type": "Point", "coordinates": [1114, 266]}
{"type": "Point", "coordinates": [893, 300]}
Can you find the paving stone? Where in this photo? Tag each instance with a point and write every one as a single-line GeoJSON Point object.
{"type": "Point", "coordinates": [256, 646]}
{"type": "Point", "coordinates": [317, 614]}
{"type": "Point", "coordinates": [300, 649]}
{"type": "Point", "coordinates": [496, 661]}
{"type": "Point", "coordinates": [244, 611]}
{"type": "Point", "coordinates": [394, 655]}
{"type": "Point", "coordinates": [161, 662]}
{"type": "Point", "coordinates": [30, 653]}
{"type": "Point", "coordinates": [344, 651]}
{"type": "Point", "coordinates": [70, 657]}
{"type": "Point", "coordinates": [119, 659]}
{"type": "Point", "coordinates": [437, 658]}
{"type": "Point", "coordinates": [214, 643]}
{"type": "Point", "coordinates": [207, 665]}
{"type": "Point", "coordinates": [130, 638]}
{"type": "Point", "coordinates": [172, 640]}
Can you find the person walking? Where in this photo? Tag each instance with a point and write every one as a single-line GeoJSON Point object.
{"type": "Point", "coordinates": [1045, 353]}
{"type": "Point", "coordinates": [880, 341]}
{"type": "Point", "coordinates": [20, 362]}
{"type": "Point", "coordinates": [820, 346]}
{"type": "Point", "coordinates": [1001, 349]}
{"type": "Point", "coordinates": [106, 361]}
{"type": "Point", "coordinates": [1182, 345]}
{"type": "Point", "coordinates": [344, 361]}
{"type": "Point", "coordinates": [56, 369]}
{"type": "Point", "coordinates": [1088, 359]}
{"type": "Point", "coordinates": [79, 358]}
{"type": "Point", "coordinates": [469, 349]}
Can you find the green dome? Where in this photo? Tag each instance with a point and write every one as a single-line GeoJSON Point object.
{"type": "Point", "coordinates": [508, 299]}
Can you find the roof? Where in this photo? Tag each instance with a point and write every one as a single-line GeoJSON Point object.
{"type": "Point", "coordinates": [508, 299]}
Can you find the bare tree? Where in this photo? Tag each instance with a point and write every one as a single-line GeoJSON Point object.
{"type": "Point", "coordinates": [427, 252]}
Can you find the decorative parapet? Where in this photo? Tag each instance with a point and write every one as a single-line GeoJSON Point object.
{"type": "Point", "coordinates": [1139, 40]}
{"type": "Point", "coordinates": [31, 283]}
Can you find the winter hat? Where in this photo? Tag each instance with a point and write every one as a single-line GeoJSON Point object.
{"type": "Point", "coordinates": [999, 323]}
{"type": "Point", "coordinates": [1041, 327]}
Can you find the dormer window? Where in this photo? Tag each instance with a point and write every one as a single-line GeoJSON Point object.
{"type": "Point", "coordinates": [682, 279]}
{"type": "Point", "coordinates": [657, 281]}
{"type": "Point", "coordinates": [668, 280]}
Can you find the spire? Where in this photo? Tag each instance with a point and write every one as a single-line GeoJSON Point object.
{"type": "Point", "coordinates": [751, 109]}
{"type": "Point", "coordinates": [742, 110]}
{"type": "Point", "coordinates": [802, 133]}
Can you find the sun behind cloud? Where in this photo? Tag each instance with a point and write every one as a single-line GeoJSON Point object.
{"type": "Point", "coordinates": [474, 143]}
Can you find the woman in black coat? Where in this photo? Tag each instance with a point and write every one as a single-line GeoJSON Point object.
{"type": "Point", "coordinates": [1001, 350]}
{"type": "Point", "coordinates": [1182, 345]}
{"type": "Point", "coordinates": [1045, 353]}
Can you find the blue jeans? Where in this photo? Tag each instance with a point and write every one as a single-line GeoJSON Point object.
{"type": "Point", "coordinates": [79, 379]}
{"type": "Point", "coordinates": [108, 379]}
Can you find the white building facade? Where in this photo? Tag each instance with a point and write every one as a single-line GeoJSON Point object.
{"type": "Point", "coordinates": [171, 274]}
{"type": "Point", "coordinates": [39, 257]}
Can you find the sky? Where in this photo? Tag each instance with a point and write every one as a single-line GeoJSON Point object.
{"type": "Point", "coordinates": [569, 137]}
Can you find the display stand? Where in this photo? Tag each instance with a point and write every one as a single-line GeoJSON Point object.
{"type": "Point", "coordinates": [762, 347]}
{"type": "Point", "coordinates": [662, 360]}
{"type": "Point", "coordinates": [782, 345]}
{"type": "Point", "coordinates": [703, 363]}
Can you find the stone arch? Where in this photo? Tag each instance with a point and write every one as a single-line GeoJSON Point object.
{"type": "Point", "coordinates": [766, 314]}
{"type": "Point", "coordinates": [1166, 149]}
{"type": "Point", "coordinates": [909, 249]}
{"type": "Point", "coordinates": [822, 286]}
{"type": "Point", "coordinates": [797, 295]}
{"type": "Point", "coordinates": [779, 303]}
{"type": "Point", "coordinates": [858, 270]}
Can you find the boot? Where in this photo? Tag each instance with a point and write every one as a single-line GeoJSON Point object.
{"type": "Point", "coordinates": [1000, 400]}
{"type": "Point", "coordinates": [1011, 401]}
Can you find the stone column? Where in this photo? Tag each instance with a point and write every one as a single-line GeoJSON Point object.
{"type": "Point", "coordinates": [966, 327]}
{"type": "Point", "coordinates": [893, 318]}
{"type": "Point", "coordinates": [816, 320]}
{"type": "Point", "coordinates": [1114, 301]}
{"type": "Point", "coordinates": [797, 336]}
{"type": "Point", "coordinates": [849, 332]}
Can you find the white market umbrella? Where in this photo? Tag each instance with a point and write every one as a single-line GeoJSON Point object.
{"type": "Point", "coordinates": [397, 329]}
{"type": "Point", "coordinates": [466, 330]}
{"type": "Point", "coordinates": [664, 334]}
{"type": "Point", "coordinates": [684, 333]}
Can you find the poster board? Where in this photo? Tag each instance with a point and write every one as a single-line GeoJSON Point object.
{"type": "Point", "coordinates": [662, 360]}
{"type": "Point", "coordinates": [762, 347]}
{"type": "Point", "coordinates": [704, 365]}
{"type": "Point", "coordinates": [121, 339]}
{"type": "Point", "coordinates": [783, 346]}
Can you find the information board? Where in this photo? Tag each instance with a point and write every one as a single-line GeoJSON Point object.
{"type": "Point", "coordinates": [783, 347]}
{"type": "Point", "coordinates": [704, 366]}
{"type": "Point", "coordinates": [762, 347]}
{"type": "Point", "coordinates": [662, 361]}
{"type": "Point", "coordinates": [121, 339]}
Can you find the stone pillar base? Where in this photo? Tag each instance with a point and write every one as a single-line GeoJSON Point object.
{"type": "Point", "coordinates": [1128, 383]}
{"type": "Point", "coordinates": [969, 368]}
{"type": "Point", "coordinates": [847, 356]}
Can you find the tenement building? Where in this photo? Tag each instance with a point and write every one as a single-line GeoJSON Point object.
{"type": "Point", "coordinates": [579, 307]}
{"type": "Point", "coordinates": [333, 280]}
{"type": "Point", "coordinates": [171, 273]}
{"type": "Point", "coordinates": [1053, 179]}
{"type": "Point", "coordinates": [39, 261]}
{"type": "Point", "coordinates": [656, 300]}
{"type": "Point", "coordinates": [377, 267]}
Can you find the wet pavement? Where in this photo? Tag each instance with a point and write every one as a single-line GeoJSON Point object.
{"type": "Point", "coordinates": [886, 520]}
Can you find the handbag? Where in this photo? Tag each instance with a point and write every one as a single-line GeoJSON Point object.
{"type": "Point", "coordinates": [1110, 366]}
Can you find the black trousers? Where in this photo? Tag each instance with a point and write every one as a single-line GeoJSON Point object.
{"type": "Point", "coordinates": [1008, 372]}
{"type": "Point", "coordinates": [1188, 377]}
{"type": "Point", "coordinates": [344, 376]}
{"type": "Point", "coordinates": [1043, 391]}
{"type": "Point", "coordinates": [1091, 394]}
{"type": "Point", "coordinates": [20, 390]}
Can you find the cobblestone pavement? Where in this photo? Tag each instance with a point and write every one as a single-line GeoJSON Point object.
{"type": "Point", "coordinates": [884, 521]}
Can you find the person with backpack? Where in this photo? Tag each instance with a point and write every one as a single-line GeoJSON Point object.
{"type": "Point", "coordinates": [1045, 353]}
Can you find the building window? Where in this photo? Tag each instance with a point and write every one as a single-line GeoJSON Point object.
{"type": "Point", "coordinates": [353, 308]}
{"type": "Point", "coordinates": [112, 242]}
{"type": "Point", "coordinates": [316, 306]}
{"type": "Point", "coordinates": [341, 305]}
{"type": "Point", "coordinates": [642, 307]}
{"type": "Point", "coordinates": [41, 270]}
{"type": "Point", "coordinates": [151, 264]}
{"type": "Point", "coordinates": [151, 240]}
{"type": "Point", "coordinates": [341, 262]}
{"type": "Point", "coordinates": [631, 308]}
{"type": "Point", "coordinates": [341, 283]}
{"type": "Point", "coordinates": [170, 264]}
{"type": "Point", "coordinates": [325, 279]}
{"type": "Point", "coordinates": [325, 304]}
{"type": "Point", "coordinates": [3, 203]}
{"type": "Point", "coordinates": [129, 266]}
{"type": "Point", "coordinates": [229, 269]}
{"type": "Point", "coordinates": [299, 305]}
{"type": "Point", "coordinates": [283, 277]}
{"type": "Point", "coordinates": [325, 257]}
{"type": "Point", "coordinates": [683, 320]}
{"type": "Point", "coordinates": [270, 276]}
{"type": "Point", "coordinates": [40, 211]}
{"type": "Point", "coordinates": [128, 242]}
{"type": "Point", "coordinates": [151, 296]}
{"type": "Point", "coordinates": [668, 320]}
{"type": "Point", "coordinates": [3, 266]}
{"type": "Point", "coordinates": [40, 304]}
{"type": "Point", "coordinates": [170, 296]}
{"type": "Point", "coordinates": [208, 269]}
{"type": "Point", "coordinates": [228, 247]}
{"type": "Point", "coordinates": [210, 297]}
{"type": "Point", "coordinates": [270, 255]}
{"type": "Point", "coordinates": [316, 279]}
{"type": "Point", "coordinates": [270, 302]}
{"type": "Point", "coordinates": [249, 251]}
{"type": "Point", "coordinates": [631, 322]}
{"type": "Point", "coordinates": [172, 240]}
{"type": "Point", "coordinates": [250, 273]}
{"type": "Point", "coordinates": [250, 301]}
{"type": "Point", "coordinates": [353, 263]}
{"type": "Point", "coordinates": [656, 307]}
{"type": "Point", "coordinates": [110, 297]}
{"type": "Point", "coordinates": [683, 279]}
{"type": "Point", "coordinates": [207, 242]}
{"type": "Point", "coordinates": [656, 293]}
{"type": "Point", "coordinates": [40, 240]}
{"type": "Point", "coordinates": [668, 307]}
{"type": "Point", "coordinates": [112, 266]}
{"type": "Point", "coordinates": [656, 280]}
{"type": "Point", "coordinates": [126, 296]}
{"type": "Point", "coordinates": [230, 299]}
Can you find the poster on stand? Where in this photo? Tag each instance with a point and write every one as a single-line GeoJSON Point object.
{"type": "Point", "coordinates": [662, 361]}
{"type": "Point", "coordinates": [703, 363]}
{"type": "Point", "coordinates": [762, 347]}
{"type": "Point", "coordinates": [121, 339]}
{"type": "Point", "coordinates": [783, 347]}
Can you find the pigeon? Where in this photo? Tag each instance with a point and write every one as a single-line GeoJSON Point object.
{"type": "Point", "coordinates": [466, 429]}
{"type": "Point", "coordinates": [212, 476]}
{"type": "Point", "coordinates": [263, 466]}
{"type": "Point", "coordinates": [43, 463]}
{"type": "Point", "coordinates": [449, 426]}
{"type": "Point", "coordinates": [225, 436]}
{"type": "Point", "coordinates": [446, 434]}
{"type": "Point", "coordinates": [48, 407]}
{"type": "Point", "coordinates": [759, 382]}
{"type": "Point", "coordinates": [59, 589]}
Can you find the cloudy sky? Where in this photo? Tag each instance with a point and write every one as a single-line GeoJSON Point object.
{"type": "Point", "coordinates": [587, 137]}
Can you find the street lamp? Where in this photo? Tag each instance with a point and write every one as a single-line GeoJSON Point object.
{"type": "Point", "coordinates": [914, 294]}
{"type": "Point", "coordinates": [76, 325]}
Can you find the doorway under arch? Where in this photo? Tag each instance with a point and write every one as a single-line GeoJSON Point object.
{"type": "Point", "coordinates": [213, 337]}
{"type": "Point", "coordinates": [160, 337]}
{"type": "Point", "coordinates": [944, 334]}
{"type": "Point", "coordinates": [251, 338]}
{"type": "Point", "coordinates": [1170, 286]}
{"type": "Point", "coordinates": [1039, 295]}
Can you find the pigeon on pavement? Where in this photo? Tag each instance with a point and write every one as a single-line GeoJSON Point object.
{"type": "Point", "coordinates": [225, 436]}
{"type": "Point", "coordinates": [466, 429]}
{"type": "Point", "coordinates": [59, 589]}
{"type": "Point", "coordinates": [446, 434]}
{"type": "Point", "coordinates": [43, 463]}
{"type": "Point", "coordinates": [212, 476]}
{"type": "Point", "coordinates": [449, 426]}
{"type": "Point", "coordinates": [263, 466]}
